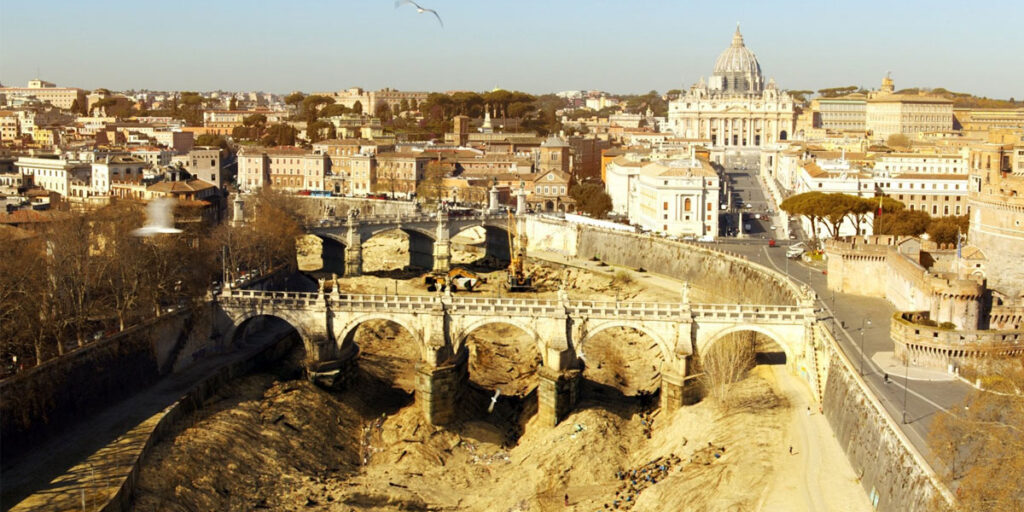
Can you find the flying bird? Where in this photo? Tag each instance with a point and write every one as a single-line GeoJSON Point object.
{"type": "Point", "coordinates": [159, 218]}
{"type": "Point", "coordinates": [419, 9]}
{"type": "Point", "coordinates": [494, 400]}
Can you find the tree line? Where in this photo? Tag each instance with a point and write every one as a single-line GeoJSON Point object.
{"type": "Point", "coordinates": [88, 275]}
{"type": "Point", "coordinates": [831, 210]}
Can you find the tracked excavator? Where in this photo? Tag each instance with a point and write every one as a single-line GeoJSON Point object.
{"type": "Point", "coordinates": [518, 279]}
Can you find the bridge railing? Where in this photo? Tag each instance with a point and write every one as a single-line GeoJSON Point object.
{"type": "Point", "coordinates": [748, 311]}
{"type": "Point", "coordinates": [506, 305]}
{"type": "Point", "coordinates": [404, 219]}
{"type": "Point", "coordinates": [620, 309]}
{"type": "Point", "coordinates": [525, 306]}
{"type": "Point", "coordinates": [290, 299]}
{"type": "Point", "coordinates": [384, 302]}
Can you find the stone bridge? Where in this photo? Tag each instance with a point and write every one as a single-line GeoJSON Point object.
{"type": "Point", "coordinates": [429, 236]}
{"type": "Point", "coordinates": [560, 329]}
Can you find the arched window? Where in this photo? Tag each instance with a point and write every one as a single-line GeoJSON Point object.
{"type": "Point", "coordinates": [782, 135]}
{"type": "Point", "coordinates": [686, 204]}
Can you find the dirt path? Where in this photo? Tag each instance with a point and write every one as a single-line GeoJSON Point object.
{"type": "Point", "coordinates": [816, 476]}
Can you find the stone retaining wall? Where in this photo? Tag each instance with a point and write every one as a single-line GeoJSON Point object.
{"type": "Point", "coordinates": [733, 277]}
{"type": "Point", "coordinates": [44, 400]}
{"type": "Point", "coordinates": [892, 472]}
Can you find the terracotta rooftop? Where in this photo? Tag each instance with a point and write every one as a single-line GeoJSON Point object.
{"type": "Point", "coordinates": [29, 216]}
{"type": "Point", "coordinates": [180, 187]}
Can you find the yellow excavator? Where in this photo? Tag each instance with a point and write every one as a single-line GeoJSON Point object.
{"type": "Point", "coordinates": [518, 280]}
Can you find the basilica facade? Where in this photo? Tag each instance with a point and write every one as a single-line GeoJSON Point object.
{"type": "Point", "coordinates": [735, 107]}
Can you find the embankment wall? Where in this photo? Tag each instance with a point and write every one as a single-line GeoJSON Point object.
{"type": "Point", "coordinates": [44, 400]}
{"type": "Point", "coordinates": [894, 475]}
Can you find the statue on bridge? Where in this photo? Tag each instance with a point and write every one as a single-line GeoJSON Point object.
{"type": "Point", "coordinates": [684, 293]}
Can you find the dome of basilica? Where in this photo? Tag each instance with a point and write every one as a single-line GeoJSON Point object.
{"type": "Point", "coordinates": [737, 58]}
{"type": "Point", "coordinates": [737, 69]}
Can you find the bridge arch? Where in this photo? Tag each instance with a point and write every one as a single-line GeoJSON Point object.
{"type": "Point", "coordinates": [344, 335]}
{"type": "Point", "coordinates": [706, 341]}
{"type": "Point", "coordinates": [495, 239]}
{"type": "Point", "coordinates": [368, 232]}
{"type": "Point", "coordinates": [459, 340]}
{"type": "Point", "coordinates": [419, 242]}
{"type": "Point", "coordinates": [315, 347]}
{"type": "Point", "coordinates": [663, 345]}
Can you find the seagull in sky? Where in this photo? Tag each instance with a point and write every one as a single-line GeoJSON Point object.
{"type": "Point", "coordinates": [419, 9]}
{"type": "Point", "coordinates": [159, 218]}
{"type": "Point", "coordinates": [494, 400]}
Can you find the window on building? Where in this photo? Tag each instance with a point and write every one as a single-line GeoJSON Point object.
{"type": "Point", "coordinates": [664, 205]}
{"type": "Point", "coordinates": [687, 205]}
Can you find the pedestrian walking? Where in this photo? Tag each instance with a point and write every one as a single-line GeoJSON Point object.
{"type": "Point", "coordinates": [567, 499]}
{"type": "Point", "coordinates": [791, 450]}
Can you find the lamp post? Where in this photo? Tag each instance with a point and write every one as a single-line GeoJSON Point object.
{"type": "Point", "coordinates": [863, 322]}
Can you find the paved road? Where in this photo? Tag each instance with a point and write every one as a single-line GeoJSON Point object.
{"type": "Point", "coordinates": [924, 397]}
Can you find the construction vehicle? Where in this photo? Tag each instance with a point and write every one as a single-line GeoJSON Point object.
{"type": "Point", "coordinates": [457, 278]}
{"type": "Point", "coordinates": [518, 279]}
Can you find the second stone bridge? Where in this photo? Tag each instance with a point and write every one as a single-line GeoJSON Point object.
{"type": "Point", "coordinates": [429, 235]}
{"type": "Point", "coordinates": [560, 329]}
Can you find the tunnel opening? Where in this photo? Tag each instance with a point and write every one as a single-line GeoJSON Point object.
{"type": "Point", "coordinates": [622, 371]}
{"type": "Point", "coordinates": [502, 394]}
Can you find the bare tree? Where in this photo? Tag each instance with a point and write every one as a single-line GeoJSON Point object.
{"type": "Point", "coordinates": [981, 441]}
{"type": "Point", "coordinates": [725, 363]}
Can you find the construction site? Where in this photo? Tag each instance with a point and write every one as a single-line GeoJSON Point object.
{"type": "Point", "coordinates": [274, 441]}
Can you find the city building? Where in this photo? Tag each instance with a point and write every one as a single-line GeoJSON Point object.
{"type": "Point", "coordinates": [888, 113]}
{"type": "Point", "coordinates": [986, 119]}
{"type": "Point", "coordinates": [736, 107]}
{"type": "Point", "coordinates": [284, 168]}
{"type": "Point", "coordinates": [9, 126]}
{"type": "Point", "coordinates": [53, 174]}
{"type": "Point", "coordinates": [60, 97]}
{"type": "Point", "coordinates": [370, 101]}
{"type": "Point", "coordinates": [203, 163]}
{"type": "Point", "coordinates": [677, 195]}
{"type": "Point", "coordinates": [398, 173]}
{"type": "Point", "coordinates": [115, 168]}
{"type": "Point", "coordinates": [842, 113]}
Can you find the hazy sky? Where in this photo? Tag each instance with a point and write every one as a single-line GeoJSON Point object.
{"type": "Point", "coordinates": [534, 46]}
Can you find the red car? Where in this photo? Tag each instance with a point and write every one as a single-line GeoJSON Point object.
{"type": "Point", "coordinates": [771, 243]}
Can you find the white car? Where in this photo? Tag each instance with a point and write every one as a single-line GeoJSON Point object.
{"type": "Point", "coordinates": [706, 239]}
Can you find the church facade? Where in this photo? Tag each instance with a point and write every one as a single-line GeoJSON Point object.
{"type": "Point", "coordinates": [735, 107]}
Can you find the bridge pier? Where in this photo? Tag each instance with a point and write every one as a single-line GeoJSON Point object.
{"type": "Point", "coordinates": [337, 373]}
{"type": "Point", "coordinates": [353, 248]}
{"type": "Point", "coordinates": [442, 245]}
{"type": "Point", "coordinates": [676, 389]}
{"type": "Point", "coordinates": [421, 250]}
{"type": "Point", "coordinates": [557, 394]}
{"type": "Point", "coordinates": [439, 388]}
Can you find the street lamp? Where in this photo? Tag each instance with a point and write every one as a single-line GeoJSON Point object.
{"type": "Point", "coordinates": [862, 325]}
